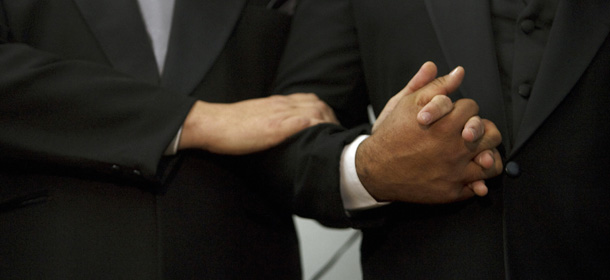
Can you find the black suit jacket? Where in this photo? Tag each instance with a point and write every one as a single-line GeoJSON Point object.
{"type": "Point", "coordinates": [549, 219]}
{"type": "Point", "coordinates": [85, 120]}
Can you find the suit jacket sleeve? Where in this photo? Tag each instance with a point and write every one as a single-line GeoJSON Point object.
{"type": "Point", "coordinates": [81, 114]}
{"type": "Point", "coordinates": [321, 56]}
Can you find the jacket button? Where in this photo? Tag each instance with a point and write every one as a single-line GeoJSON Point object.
{"type": "Point", "coordinates": [137, 172]}
{"type": "Point", "coordinates": [527, 26]}
{"type": "Point", "coordinates": [525, 90]}
{"type": "Point", "coordinates": [512, 169]}
{"type": "Point", "coordinates": [116, 168]}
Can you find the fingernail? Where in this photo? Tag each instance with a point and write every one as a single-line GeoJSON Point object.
{"type": "Point", "coordinates": [454, 71]}
{"type": "Point", "coordinates": [474, 133]}
{"type": "Point", "coordinates": [425, 116]}
{"type": "Point", "coordinates": [491, 155]}
{"type": "Point", "coordinates": [480, 159]}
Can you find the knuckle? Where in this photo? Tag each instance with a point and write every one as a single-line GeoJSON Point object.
{"type": "Point", "coordinates": [306, 97]}
{"type": "Point", "coordinates": [440, 84]}
{"type": "Point", "coordinates": [311, 95]}
{"type": "Point", "coordinates": [496, 137]}
{"type": "Point", "coordinates": [440, 81]}
{"type": "Point", "coordinates": [278, 99]}
{"type": "Point", "coordinates": [444, 102]}
{"type": "Point", "coordinates": [492, 131]}
{"type": "Point", "coordinates": [468, 103]}
{"type": "Point", "coordinates": [319, 115]}
{"type": "Point", "coordinates": [314, 113]}
{"type": "Point", "coordinates": [442, 99]}
{"type": "Point", "coordinates": [499, 167]}
{"type": "Point", "coordinates": [321, 105]}
{"type": "Point", "coordinates": [475, 123]}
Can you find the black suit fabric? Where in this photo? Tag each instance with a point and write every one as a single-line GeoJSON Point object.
{"type": "Point", "coordinates": [549, 217]}
{"type": "Point", "coordinates": [85, 192]}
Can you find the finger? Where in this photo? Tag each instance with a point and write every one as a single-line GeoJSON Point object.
{"type": "Point", "coordinates": [319, 112]}
{"type": "Point", "coordinates": [275, 134]}
{"type": "Point", "coordinates": [302, 97]}
{"type": "Point", "coordinates": [439, 106]}
{"type": "Point", "coordinates": [328, 114]}
{"type": "Point", "coordinates": [426, 74]}
{"type": "Point", "coordinates": [485, 159]}
{"type": "Point", "coordinates": [473, 129]}
{"type": "Point", "coordinates": [478, 187]}
{"type": "Point", "coordinates": [304, 100]}
{"type": "Point", "coordinates": [387, 110]}
{"type": "Point", "coordinates": [330, 117]}
{"type": "Point", "coordinates": [310, 101]}
{"type": "Point", "coordinates": [464, 193]}
{"type": "Point", "coordinates": [442, 85]}
{"type": "Point", "coordinates": [454, 121]}
{"type": "Point", "coordinates": [292, 125]}
{"type": "Point", "coordinates": [475, 172]}
{"type": "Point", "coordinates": [490, 139]}
{"type": "Point", "coordinates": [498, 167]}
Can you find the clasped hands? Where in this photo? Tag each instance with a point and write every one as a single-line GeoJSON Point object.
{"type": "Point", "coordinates": [424, 148]}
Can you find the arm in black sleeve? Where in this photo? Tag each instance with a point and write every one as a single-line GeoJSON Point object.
{"type": "Point", "coordinates": [322, 56]}
{"type": "Point", "coordinates": [81, 114]}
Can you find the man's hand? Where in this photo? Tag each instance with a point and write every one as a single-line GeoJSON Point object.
{"type": "Point", "coordinates": [251, 125]}
{"type": "Point", "coordinates": [439, 106]}
{"type": "Point", "coordinates": [414, 155]}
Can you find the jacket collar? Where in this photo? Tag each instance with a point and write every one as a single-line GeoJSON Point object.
{"type": "Point", "coordinates": [579, 29]}
{"type": "Point", "coordinates": [120, 31]}
{"type": "Point", "coordinates": [199, 32]}
{"type": "Point", "coordinates": [464, 32]}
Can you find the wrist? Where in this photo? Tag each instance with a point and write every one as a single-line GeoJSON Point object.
{"type": "Point", "coordinates": [369, 168]}
{"type": "Point", "coordinates": [194, 127]}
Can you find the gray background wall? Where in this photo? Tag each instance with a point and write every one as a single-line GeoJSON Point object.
{"type": "Point", "coordinates": [319, 244]}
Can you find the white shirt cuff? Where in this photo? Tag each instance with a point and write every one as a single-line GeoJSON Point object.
{"type": "Point", "coordinates": [172, 148]}
{"type": "Point", "coordinates": [353, 193]}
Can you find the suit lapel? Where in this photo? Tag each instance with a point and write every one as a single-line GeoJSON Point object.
{"type": "Point", "coordinates": [579, 29]}
{"type": "Point", "coordinates": [200, 30]}
{"type": "Point", "coordinates": [464, 31]}
{"type": "Point", "coordinates": [120, 30]}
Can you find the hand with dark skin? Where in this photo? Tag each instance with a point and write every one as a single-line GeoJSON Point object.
{"type": "Point", "coordinates": [426, 149]}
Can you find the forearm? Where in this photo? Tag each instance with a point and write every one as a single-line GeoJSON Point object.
{"type": "Point", "coordinates": [302, 174]}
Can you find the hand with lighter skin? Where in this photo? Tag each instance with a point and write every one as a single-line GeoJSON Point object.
{"type": "Point", "coordinates": [252, 125]}
{"type": "Point", "coordinates": [426, 149]}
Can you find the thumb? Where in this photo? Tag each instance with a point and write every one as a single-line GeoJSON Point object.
{"type": "Point", "coordinates": [443, 85]}
{"type": "Point", "coordinates": [426, 74]}
{"type": "Point", "coordinates": [433, 97]}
